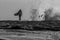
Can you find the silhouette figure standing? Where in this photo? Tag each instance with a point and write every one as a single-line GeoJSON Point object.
{"type": "Point", "coordinates": [19, 13]}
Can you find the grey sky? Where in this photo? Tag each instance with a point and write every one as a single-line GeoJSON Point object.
{"type": "Point", "coordinates": [9, 7]}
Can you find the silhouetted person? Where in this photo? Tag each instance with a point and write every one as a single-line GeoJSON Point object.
{"type": "Point", "coordinates": [19, 13]}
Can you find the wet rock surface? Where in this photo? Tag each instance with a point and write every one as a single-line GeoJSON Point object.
{"type": "Point", "coordinates": [52, 25]}
{"type": "Point", "coordinates": [29, 35]}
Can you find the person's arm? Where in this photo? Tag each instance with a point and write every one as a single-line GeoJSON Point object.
{"type": "Point", "coordinates": [16, 14]}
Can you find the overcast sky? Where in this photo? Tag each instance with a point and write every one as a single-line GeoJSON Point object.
{"type": "Point", "coordinates": [9, 7]}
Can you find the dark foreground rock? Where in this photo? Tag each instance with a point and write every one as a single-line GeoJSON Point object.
{"type": "Point", "coordinates": [52, 25]}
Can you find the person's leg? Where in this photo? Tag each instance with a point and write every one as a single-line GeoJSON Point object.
{"type": "Point", "coordinates": [19, 18]}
